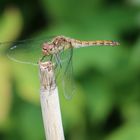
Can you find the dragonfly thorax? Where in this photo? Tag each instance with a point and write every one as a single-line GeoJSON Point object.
{"type": "Point", "coordinates": [55, 46]}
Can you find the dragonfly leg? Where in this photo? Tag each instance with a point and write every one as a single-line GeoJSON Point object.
{"type": "Point", "coordinates": [42, 57]}
{"type": "Point", "coordinates": [51, 57]}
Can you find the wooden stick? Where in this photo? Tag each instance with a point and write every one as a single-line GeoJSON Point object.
{"type": "Point", "coordinates": [50, 103]}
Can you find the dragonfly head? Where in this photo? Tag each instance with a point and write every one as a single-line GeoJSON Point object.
{"type": "Point", "coordinates": [47, 49]}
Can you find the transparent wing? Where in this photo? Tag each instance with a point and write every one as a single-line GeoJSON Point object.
{"type": "Point", "coordinates": [66, 70]}
{"type": "Point", "coordinates": [26, 51]}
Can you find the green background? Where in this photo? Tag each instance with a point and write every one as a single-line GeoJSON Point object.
{"type": "Point", "coordinates": [107, 103]}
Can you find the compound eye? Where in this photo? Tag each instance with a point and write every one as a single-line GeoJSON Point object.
{"type": "Point", "coordinates": [46, 46]}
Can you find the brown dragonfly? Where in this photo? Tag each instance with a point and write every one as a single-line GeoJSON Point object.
{"type": "Point", "coordinates": [57, 49]}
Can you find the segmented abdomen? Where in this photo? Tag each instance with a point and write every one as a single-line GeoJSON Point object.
{"type": "Point", "coordinates": [78, 43]}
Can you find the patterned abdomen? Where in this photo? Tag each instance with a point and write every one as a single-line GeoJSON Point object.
{"type": "Point", "coordinates": [78, 43]}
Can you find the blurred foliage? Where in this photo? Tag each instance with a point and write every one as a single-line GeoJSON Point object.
{"type": "Point", "coordinates": [107, 103]}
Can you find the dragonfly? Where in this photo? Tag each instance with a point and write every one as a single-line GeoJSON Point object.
{"type": "Point", "coordinates": [58, 49]}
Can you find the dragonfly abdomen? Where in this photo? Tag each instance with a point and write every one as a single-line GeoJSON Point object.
{"type": "Point", "coordinates": [78, 43]}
